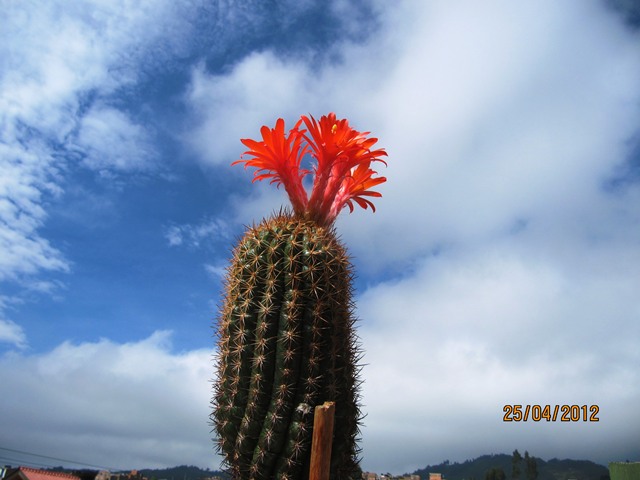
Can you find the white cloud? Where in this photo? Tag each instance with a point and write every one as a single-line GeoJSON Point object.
{"type": "Point", "coordinates": [225, 108]}
{"type": "Point", "coordinates": [208, 231]}
{"type": "Point", "coordinates": [101, 399]}
{"type": "Point", "coordinates": [216, 271]}
{"type": "Point", "coordinates": [109, 139]}
{"type": "Point", "coordinates": [12, 333]}
{"type": "Point", "coordinates": [490, 115]}
{"type": "Point", "coordinates": [451, 344]}
{"type": "Point", "coordinates": [25, 177]}
{"type": "Point", "coordinates": [499, 114]}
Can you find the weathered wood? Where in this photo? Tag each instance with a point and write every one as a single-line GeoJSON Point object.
{"type": "Point", "coordinates": [321, 441]}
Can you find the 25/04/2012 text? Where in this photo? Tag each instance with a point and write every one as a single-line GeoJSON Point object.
{"type": "Point", "coordinates": [551, 413]}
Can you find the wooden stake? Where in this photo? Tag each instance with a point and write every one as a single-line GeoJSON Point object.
{"type": "Point", "coordinates": [321, 441]}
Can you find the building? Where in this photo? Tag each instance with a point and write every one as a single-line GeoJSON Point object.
{"type": "Point", "coordinates": [624, 470]}
{"type": "Point", "coordinates": [28, 473]}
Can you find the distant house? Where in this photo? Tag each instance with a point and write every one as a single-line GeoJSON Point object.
{"type": "Point", "coordinates": [103, 475]}
{"type": "Point", "coordinates": [435, 476]}
{"type": "Point", "coordinates": [28, 473]}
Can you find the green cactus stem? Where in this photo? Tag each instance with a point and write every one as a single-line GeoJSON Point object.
{"type": "Point", "coordinates": [286, 329]}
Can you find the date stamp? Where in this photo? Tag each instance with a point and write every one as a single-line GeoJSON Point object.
{"type": "Point", "coordinates": [551, 413]}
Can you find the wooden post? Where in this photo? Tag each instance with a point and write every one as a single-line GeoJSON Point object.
{"type": "Point", "coordinates": [321, 441]}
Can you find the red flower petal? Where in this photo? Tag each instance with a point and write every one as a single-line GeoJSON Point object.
{"type": "Point", "coordinates": [278, 157]}
{"type": "Point", "coordinates": [344, 156]}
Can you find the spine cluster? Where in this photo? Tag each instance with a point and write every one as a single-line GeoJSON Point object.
{"type": "Point", "coordinates": [286, 344]}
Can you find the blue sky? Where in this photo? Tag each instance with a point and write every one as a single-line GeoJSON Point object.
{"type": "Point", "coordinates": [499, 268]}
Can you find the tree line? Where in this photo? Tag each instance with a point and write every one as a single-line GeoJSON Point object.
{"type": "Point", "coordinates": [519, 465]}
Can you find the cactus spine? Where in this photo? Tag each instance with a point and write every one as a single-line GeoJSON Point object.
{"type": "Point", "coordinates": [286, 337]}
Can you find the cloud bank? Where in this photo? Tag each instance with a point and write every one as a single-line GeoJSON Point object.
{"type": "Point", "coordinates": [512, 278]}
{"type": "Point", "coordinates": [135, 403]}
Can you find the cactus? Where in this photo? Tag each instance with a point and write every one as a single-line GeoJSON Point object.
{"type": "Point", "coordinates": [286, 336]}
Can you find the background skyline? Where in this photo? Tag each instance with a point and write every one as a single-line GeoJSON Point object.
{"type": "Point", "coordinates": [499, 268]}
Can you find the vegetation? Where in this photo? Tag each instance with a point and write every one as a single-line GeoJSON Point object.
{"type": "Point", "coordinates": [516, 462]}
{"type": "Point", "coordinates": [495, 474]}
{"type": "Point", "coordinates": [531, 467]}
{"type": "Point", "coordinates": [476, 469]}
{"type": "Point", "coordinates": [491, 467]}
{"type": "Point", "coordinates": [182, 472]}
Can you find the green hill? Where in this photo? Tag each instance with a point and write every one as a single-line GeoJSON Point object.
{"type": "Point", "coordinates": [475, 469]}
{"type": "Point", "coordinates": [553, 469]}
{"type": "Point", "coordinates": [182, 472]}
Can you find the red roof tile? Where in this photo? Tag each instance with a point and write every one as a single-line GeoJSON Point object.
{"type": "Point", "coordinates": [35, 474]}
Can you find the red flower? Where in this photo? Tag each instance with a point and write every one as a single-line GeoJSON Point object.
{"type": "Point", "coordinates": [343, 173]}
{"type": "Point", "coordinates": [279, 156]}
